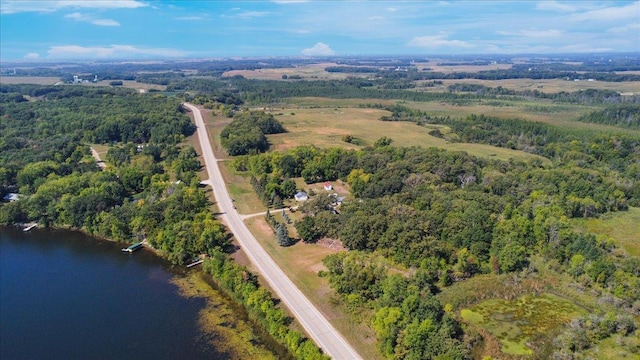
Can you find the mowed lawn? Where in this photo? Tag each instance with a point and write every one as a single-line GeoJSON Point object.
{"type": "Point", "coordinates": [622, 226]}
{"type": "Point", "coordinates": [325, 127]}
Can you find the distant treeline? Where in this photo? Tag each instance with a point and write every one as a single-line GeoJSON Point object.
{"type": "Point", "coordinates": [516, 72]}
{"type": "Point", "coordinates": [272, 91]}
{"type": "Point", "coordinates": [351, 69]}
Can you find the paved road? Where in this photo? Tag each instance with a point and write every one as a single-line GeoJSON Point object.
{"type": "Point", "coordinates": [316, 325]}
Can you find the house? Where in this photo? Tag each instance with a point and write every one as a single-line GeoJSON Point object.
{"type": "Point", "coordinates": [327, 186]}
{"type": "Point", "coordinates": [301, 196]}
{"type": "Point", "coordinates": [11, 197]}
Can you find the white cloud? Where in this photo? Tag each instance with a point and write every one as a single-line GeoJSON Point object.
{"type": "Point", "coordinates": [555, 6]}
{"type": "Point", "coordinates": [630, 11]}
{"type": "Point", "coordinates": [319, 49]}
{"type": "Point", "coordinates": [374, 18]}
{"type": "Point", "coordinates": [436, 41]}
{"type": "Point", "coordinates": [31, 56]}
{"type": "Point", "coordinates": [532, 33]}
{"type": "Point", "coordinates": [105, 22]}
{"type": "Point", "coordinates": [392, 9]}
{"type": "Point", "coordinates": [18, 6]}
{"type": "Point", "coordinates": [624, 28]}
{"type": "Point", "coordinates": [113, 51]}
{"type": "Point", "coordinates": [90, 19]}
{"type": "Point", "coordinates": [252, 14]}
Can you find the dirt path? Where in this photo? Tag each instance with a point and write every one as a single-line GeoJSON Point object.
{"type": "Point", "coordinates": [99, 161]}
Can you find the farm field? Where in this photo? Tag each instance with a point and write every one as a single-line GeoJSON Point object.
{"type": "Point", "coordinates": [623, 227]}
{"type": "Point", "coordinates": [307, 72]}
{"type": "Point", "coordinates": [36, 80]}
{"type": "Point", "coordinates": [552, 85]}
{"type": "Point", "coordinates": [325, 127]}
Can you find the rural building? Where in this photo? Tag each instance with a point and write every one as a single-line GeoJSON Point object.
{"type": "Point", "coordinates": [327, 186]}
{"type": "Point", "coordinates": [301, 196]}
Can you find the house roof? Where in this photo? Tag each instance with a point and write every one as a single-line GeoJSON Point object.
{"type": "Point", "coordinates": [301, 195]}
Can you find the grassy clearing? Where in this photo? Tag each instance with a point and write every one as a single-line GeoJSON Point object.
{"type": "Point", "coordinates": [623, 227]}
{"type": "Point", "coordinates": [301, 262]}
{"type": "Point", "coordinates": [515, 323]}
{"type": "Point", "coordinates": [325, 127]}
{"type": "Point", "coordinates": [246, 200]}
{"type": "Point", "coordinates": [219, 321]}
{"type": "Point", "coordinates": [553, 114]}
{"type": "Point", "coordinates": [307, 72]}
{"type": "Point", "coordinates": [552, 85]}
{"type": "Point", "coordinates": [131, 84]}
{"type": "Point", "coordinates": [101, 149]}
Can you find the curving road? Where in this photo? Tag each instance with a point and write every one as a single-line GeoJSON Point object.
{"type": "Point", "coordinates": [316, 325]}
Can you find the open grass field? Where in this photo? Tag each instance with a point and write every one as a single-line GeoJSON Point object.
{"type": "Point", "coordinates": [301, 262]}
{"type": "Point", "coordinates": [435, 66]}
{"type": "Point", "coordinates": [553, 85]}
{"type": "Point", "coordinates": [623, 227]}
{"type": "Point", "coordinates": [140, 87]}
{"type": "Point", "coordinates": [325, 127]}
{"type": "Point", "coordinates": [517, 322]}
{"type": "Point", "coordinates": [37, 80]}
{"type": "Point", "coordinates": [306, 72]}
{"type": "Point", "coordinates": [563, 115]}
{"type": "Point", "coordinates": [546, 112]}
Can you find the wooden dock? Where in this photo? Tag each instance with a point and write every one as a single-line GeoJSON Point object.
{"type": "Point", "coordinates": [195, 263]}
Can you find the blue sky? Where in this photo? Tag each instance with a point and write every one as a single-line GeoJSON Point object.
{"type": "Point", "coordinates": [139, 29]}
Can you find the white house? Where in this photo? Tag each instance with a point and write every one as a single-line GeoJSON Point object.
{"type": "Point", "coordinates": [327, 186]}
{"type": "Point", "coordinates": [301, 196]}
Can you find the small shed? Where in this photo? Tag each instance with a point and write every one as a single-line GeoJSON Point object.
{"type": "Point", "coordinates": [301, 196]}
{"type": "Point", "coordinates": [327, 186]}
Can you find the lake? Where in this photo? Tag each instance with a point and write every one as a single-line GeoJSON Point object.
{"type": "Point", "coordinates": [65, 295]}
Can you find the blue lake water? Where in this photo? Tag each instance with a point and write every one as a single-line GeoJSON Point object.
{"type": "Point", "coordinates": [64, 295]}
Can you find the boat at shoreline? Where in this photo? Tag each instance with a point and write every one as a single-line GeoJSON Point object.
{"type": "Point", "coordinates": [132, 248]}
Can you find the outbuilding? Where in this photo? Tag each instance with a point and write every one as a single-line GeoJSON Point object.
{"type": "Point", "coordinates": [301, 196]}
